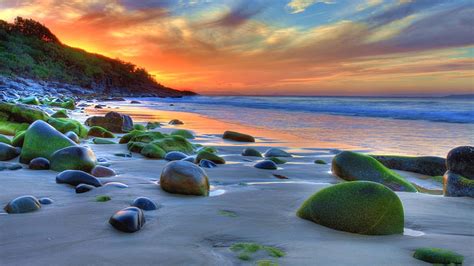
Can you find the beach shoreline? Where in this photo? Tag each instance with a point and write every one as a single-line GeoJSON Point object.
{"type": "Point", "coordinates": [246, 205]}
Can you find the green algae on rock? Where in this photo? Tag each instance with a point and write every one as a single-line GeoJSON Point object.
{"type": "Point", "coordinates": [4, 139]}
{"type": "Point", "coordinates": [139, 127]}
{"type": "Point", "coordinates": [97, 131]}
{"type": "Point", "coordinates": [174, 143]}
{"type": "Point", "coordinates": [12, 128]}
{"type": "Point", "coordinates": [438, 256]}
{"type": "Point", "coordinates": [352, 166]}
{"type": "Point", "coordinates": [36, 136]}
{"type": "Point", "coordinates": [65, 125]}
{"type": "Point", "coordinates": [60, 114]}
{"type": "Point", "coordinates": [153, 151]}
{"type": "Point", "coordinates": [18, 139]}
{"type": "Point", "coordinates": [32, 100]}
{"type": "Point", "coordinates": [251, 152]}
{"type": "Point", "coordinates": [245, 250]}
{"type": "Point", "coordinates": [183, 133]}
{"type": "Point", "coordinates": [21, 113]}
{"type": "Point", "coordinates": [102, 198]}
{"type": "Point", "coordinates": [319, 161]}
{"type": "Point", "coordinates": [276, 160]}
{"type": "Point", "coordinates": [102, 141]}
{"type": "Point", "coordinates": [236, 136]}
{"type": "Point", "coordinates": [360, 207]}
{"type": "Point", "coordinates": [204, 155]}
{"type": "Point", "coordinates": [426, 165]}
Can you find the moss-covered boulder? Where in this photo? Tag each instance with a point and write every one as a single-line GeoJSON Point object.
{"type": "Point", "coordinates": [174, 143]}
{"type": "Point", "coordinates": [12, 128]}
{"type": "Point", "coordinates": [186, 178]}
{"type": "Point", "coordinates": [183, 133]}
{"type": "Point", "coordinates": [276, 160]}
{"type": "Point", "coordinates": [147, 137]}
{"type": "Point", "coordinates": [5, 140]}
{"type": "Point", "coordinates": [8, 152]}
{"type": "Point", "coordinates": [21, 113]}
{"type": "Point", "coordinates": [359, 207]}
{"type": "Point", "coordinates": [136, 146]}
{"type": "Point", "coordinates": [153, 125]}
{"type": "Point", "coordinates": [65, 125]}
{"type": "Point", "coordinates": [204, 155]}
{"type": "Point", "coordinates": [60, 114]}
{"type": "Point", "coordinates": [37, 136]}
{"type": "Point", "coordinates": [19, 138]}
{"type": "Point", "coordinates": [73, 158]}
{"type": "Point", "coordinates": [236, 136]}
{"type": "Point", "coordinates": [127, 137]}
{"type": "Point", "coordinates": [352, 166]}
{"type": "Point", "coordinates": [100, 132]}
{"type": "Point", "coordinates": [455, 185]}
{"type": "Point", "coordinates": [67, 104]}
{"type": "Point", "coordinates": [139, 127]}
{"type": "Point", "coordinates": [251, 152]}
{"type": "Point", "coordinates": [426, 165]}
{"type": "Point", "coordinates": [153, 151]}
{"type": "Point", "coordinates": [30, 100]}
{"type": "Point", "coordinates": [438, 256]}
{"type": "Point", "coordinates": [208, 149]}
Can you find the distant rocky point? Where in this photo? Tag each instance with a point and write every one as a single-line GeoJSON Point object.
{"type": "Point", "coordinates": [33, 61]}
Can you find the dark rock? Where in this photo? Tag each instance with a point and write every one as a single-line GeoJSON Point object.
{"type": "Point", "coordinates": [461, 161]}
{"type": "Point", "coordinates": [145, 204]}
{"type": "Point", "coordinates": [83, 188]}
{"type": "Point", "coordinates": [176, 122]}
{"type": "Point", "coordinates": [236, 136]}
{"type": "Point", "coordinates": [39, 163]}
{"type": "Point", "coordinates": [175, 156]}
{"type": "Point", "coordinates": [46, 201]}
{"type": "Point", "coordinates": [8, 152]}
{"type": "Point", "coordinates": [251, 152]}
{"type": "Point", "coordinates": [426, 165]}
{"type": "Point", "coordinates": [275, 152]}
{"type": "Point", "coordinates": [23, 204]}
{"type": "Point", "coordinates": [112, 121]}
{"type": "Point", "coordinates": [455, 185]}
{"type": "Point", "coordinates": [73, 158]}
{"type": "Point", "coordinates": [128, 220]}
{"type": "Point", "coordinates": [205, 155]}
{"type": "Point", "coordinates": [76, 177]}
{"type": "Point", "coordinates": [207, 164]}
{"type": "Point", "coordinates": [102, 171]}
{"type": "Point", "coordinates": [186, 178]}
{"type": "Point", "coordinates": [266, 164]}
{"type": "Point", "coordinates": [135, 102]}
{"type": "Point", "coordinates": [10, 166]}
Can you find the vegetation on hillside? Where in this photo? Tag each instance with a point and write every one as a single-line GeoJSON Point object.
{"type": "Point", "coordinates": [29, 49]}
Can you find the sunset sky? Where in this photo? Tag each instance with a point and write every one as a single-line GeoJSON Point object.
{"type": "Point", "coordinates": [290, 47]}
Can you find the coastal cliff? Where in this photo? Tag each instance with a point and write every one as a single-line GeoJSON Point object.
{"type": "Point", "coordinates": [33, 60]}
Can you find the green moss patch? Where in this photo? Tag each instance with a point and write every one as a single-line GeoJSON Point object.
{"type": "Point", "coordinates": [276, 160]}
{"type": "Point", "coordinates": [139, 127]}
{"type": "Point", "coordinates": [183, 133]}
{"type": "Point", "coordinates": [266, 263]}
{"type": "Point", "coordinates": [438, 256]}
{"type": "Point", "coordinates": [227, 213]}
{"type": "Point", "coordinates": [101, 132]}
{"type": "Point", "coordinates": [246, 250]}
{"type": "Point", "coordinates": [319, 161]}
{"type": "Point", "coordinates": [65, 125]}
{"type": "Point", "coordinates": [204, 155]}
{"type": "Point", "coordinates": [102, 198]}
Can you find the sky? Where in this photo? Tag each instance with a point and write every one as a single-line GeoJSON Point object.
{"type": "Point", "coordinates": [275, 47]}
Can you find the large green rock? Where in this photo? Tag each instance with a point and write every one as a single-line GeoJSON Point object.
{"type": "Point", "coordinates": [60, 114]}
{"type": "Point", "coordinates": [65, 125]}
{"type": "Point", "coordinates": [438, 256]}
{"type": "Point", "coordinates": [100, 132]}
{"type": "Point", "coordinates": [11, 128]}
{"type": "Point", "coordinates": [360, 207]}
{"type": "Point", "coordinates": [73, 158]}
{"type": "Point", "coordinates": [127, 137]}
{"type": "Point", "coordinates": [153, 151]}
{"type": "Point", "coordinates": [5, 140]}
{"type": "Point", "coordinates": [68, 104]}
{"type": "Point", "coordinates": [21, 113]}
{"type": "Point", "coordinates": [30, 100]}
{"type": "Point", "coordinates": [174, 143]}
{"type": "Point", "coordinates": [352, 166]}
{"type": "Point", "coordinates": [42, 140]}
{"type": "Point", "coordinates": [19, 138]}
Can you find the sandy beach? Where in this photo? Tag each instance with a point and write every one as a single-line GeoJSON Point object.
{"type": "Point", "coordinates": [246, 204]}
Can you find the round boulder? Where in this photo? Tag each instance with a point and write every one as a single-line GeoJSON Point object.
{"type": "Point", "coordinates": [275, 152]}
{"type": "Point", "coordinates": [39, 163]}
{"type": "Point", "coordinates": [128, 220]}
{"type": "Point", "coordinates": [73, 158]}
{"type": "Point", "coordinates": [46, 201]}
{"type": "Point", "coordinates": [186, 178]}
{"type": "Point", "coordinates": [76, 177]}
{"type": "Point", "coordinates": [83, 188]}
{"type": "Point", "coordinates": [360, 207]}
{"type": "Point", "coordinates": [266, 164]}
{"type": "Point", "coordinates": [8, 152]}
{"type": "Point", "coordinates": [251, 152]}
{"type": "Point", "coordinates": [103, 171]}
{"type": "Point", "coordinates": [145, 204]}
{"type": "Point", "coordinates": [461, 161]}
{"type": "Point", "coordinates": [23, 204]}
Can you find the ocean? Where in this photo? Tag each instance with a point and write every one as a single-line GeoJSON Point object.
{"type": "Point", "coordinates": [408, 126]}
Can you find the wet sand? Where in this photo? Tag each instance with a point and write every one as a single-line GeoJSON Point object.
{"type": "Point", "coordinates": [189, 230]}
